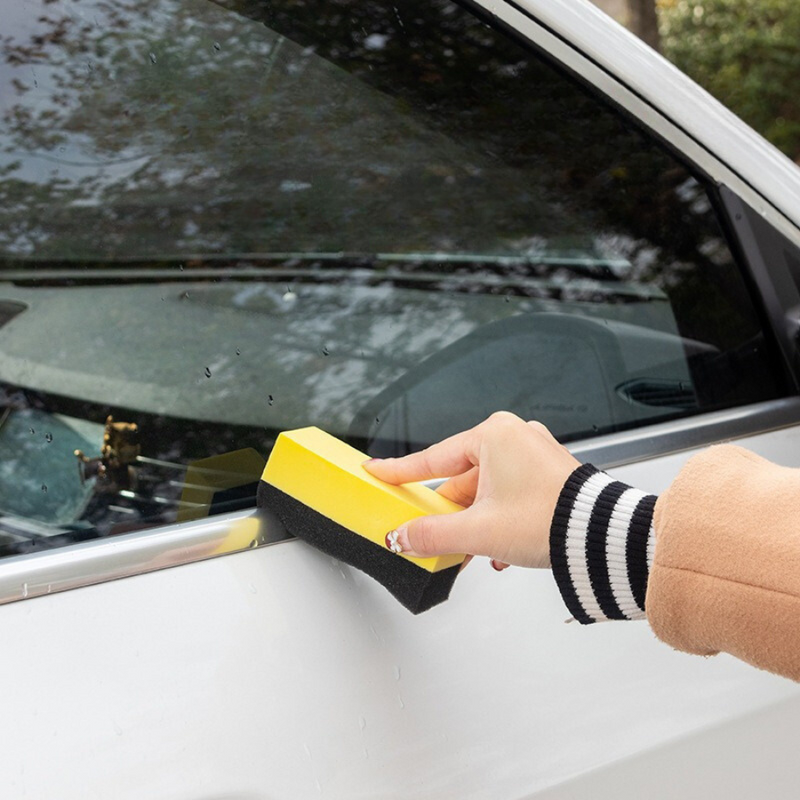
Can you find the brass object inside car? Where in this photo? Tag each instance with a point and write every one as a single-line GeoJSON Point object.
{"type": "Point", "coordinates": [114, 468]}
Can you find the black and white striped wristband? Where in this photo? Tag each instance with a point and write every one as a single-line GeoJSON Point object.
{"type": "Point", "coordinates": [601, 546]}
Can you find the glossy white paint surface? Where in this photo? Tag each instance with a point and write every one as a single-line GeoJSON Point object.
{"type": "Point", "coordinates": [278, 673]}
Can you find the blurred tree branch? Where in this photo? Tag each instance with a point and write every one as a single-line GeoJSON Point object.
{"type": "Point", "coordinates": [643, 21]}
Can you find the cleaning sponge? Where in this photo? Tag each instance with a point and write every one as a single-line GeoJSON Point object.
{"type": "Point", "coordinates": [318, 488]}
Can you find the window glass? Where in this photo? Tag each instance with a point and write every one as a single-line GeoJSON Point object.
{"type": "Point", "coordinates": [219, 220]}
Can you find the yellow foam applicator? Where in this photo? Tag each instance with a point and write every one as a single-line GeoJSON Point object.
{"type": "Point", "coordinates": [318, 488]}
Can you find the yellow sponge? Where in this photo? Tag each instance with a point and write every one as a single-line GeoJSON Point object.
{"type": "Point", "coordinates": [317, 486]}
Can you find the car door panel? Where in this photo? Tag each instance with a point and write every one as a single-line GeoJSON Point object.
{"type": "Point", "coordinates": [279, 672]}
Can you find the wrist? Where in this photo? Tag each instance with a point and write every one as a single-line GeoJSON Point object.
{"type": "Point", "coordinates": [601, 546]}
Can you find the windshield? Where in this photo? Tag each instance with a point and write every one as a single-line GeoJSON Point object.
{"type": "Point", "coordinates": [220, 220]}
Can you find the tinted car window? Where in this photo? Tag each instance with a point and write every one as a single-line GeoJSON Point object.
{"type": "Point", "coordinates": [219, 220]}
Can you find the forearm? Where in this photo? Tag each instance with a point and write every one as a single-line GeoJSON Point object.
{"type": "Point", "coordinates": [722, 556]}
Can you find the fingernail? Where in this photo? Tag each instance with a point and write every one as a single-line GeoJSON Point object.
{"type": "Point", "coordinates": [392, 543]}
{"type": "Point", "coordinates": [497, 566]}
{"type": "Point", "coordinates": [370, 461]}
{"type": "Point", "coordinates": [397, 541]}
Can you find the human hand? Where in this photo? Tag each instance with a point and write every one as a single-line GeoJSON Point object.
{"type": "Point", "coordinates": [507, 472]}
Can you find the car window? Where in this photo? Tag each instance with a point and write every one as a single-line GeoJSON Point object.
{"type": "Point", "coordinates": [220, 220]}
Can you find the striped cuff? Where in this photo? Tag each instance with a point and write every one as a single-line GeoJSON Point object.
{"type": "Point", "coordinates": [601, 546]}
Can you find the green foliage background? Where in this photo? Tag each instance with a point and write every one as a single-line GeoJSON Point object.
{"type": "Point", "coordinates": [747, 54]}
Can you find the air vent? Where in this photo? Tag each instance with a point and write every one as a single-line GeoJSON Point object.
{"type": "Point", "coordinates": [659, 393]}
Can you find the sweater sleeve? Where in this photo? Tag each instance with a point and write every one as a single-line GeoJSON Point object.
{"type": "Point", "coordinates": [713, 563]}
{"type": "Point", "coordinates": [726, 570]}
{"type": "Point", "coordinates": [601, 546]}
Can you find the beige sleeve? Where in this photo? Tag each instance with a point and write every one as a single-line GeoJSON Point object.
{"type": "Point", "coordinates": [726, 570]}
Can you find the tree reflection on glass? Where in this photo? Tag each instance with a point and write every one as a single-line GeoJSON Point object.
{"type": "Point", "coordinates": [228, 218]}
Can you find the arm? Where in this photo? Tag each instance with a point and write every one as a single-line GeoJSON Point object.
{"type": "Point", "coordinates": [726, 575]}
{"type": "Point", "coordinates": [714, 563]}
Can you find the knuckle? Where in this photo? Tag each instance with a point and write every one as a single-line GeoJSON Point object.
{"type": "Point", "coordinates": [426, 461]}
{"type": "Point", "coordinates": [421, 537]}
{"type": "Point", "coordinates": [503, 420]}
{"type": "Point", "coordinates": [537, 426]}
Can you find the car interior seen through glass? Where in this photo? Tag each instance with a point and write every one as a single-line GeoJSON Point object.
{"type": "Point", "coordinates": [220, 220]}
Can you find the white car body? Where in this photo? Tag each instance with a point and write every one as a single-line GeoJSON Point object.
{"type": "Point", "coordinates": [138, 668]}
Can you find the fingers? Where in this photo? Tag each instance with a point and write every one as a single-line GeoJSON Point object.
{"type": "Point", "coordinates": [452, 456]}
{"type": "Point", "coordinates": [462, 488]}
{"type": "Point", "coordinates": [460, 532]}
{"type": "Point", "coordinates": [449, 457]}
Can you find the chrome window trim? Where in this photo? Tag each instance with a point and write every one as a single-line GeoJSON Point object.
{"type": "Point", "coordinates": [687, 433]}
{"type": "Point", "coordinates": [102, 560]}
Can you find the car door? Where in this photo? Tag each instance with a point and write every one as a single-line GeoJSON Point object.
{"type": "Point", "coordinates": [222, 220]}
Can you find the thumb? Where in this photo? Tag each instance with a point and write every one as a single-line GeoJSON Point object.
{"type": "Point", "coordinates": [438, 535]}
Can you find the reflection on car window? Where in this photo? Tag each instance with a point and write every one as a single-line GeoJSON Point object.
{"type": "Point", "coordinates": [219, 220]}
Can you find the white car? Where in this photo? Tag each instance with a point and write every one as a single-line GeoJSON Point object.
{"type": "Point", "coordinates": [221, 220]}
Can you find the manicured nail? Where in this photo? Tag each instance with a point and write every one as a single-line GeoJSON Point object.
{"type": "Point", "coordinates": [392, 543]}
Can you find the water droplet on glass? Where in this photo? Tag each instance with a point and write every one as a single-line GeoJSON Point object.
{"type": "Point", "coordinates": [308, 750]}
{"type": "Point", "coordinates": [325, 351]}
{"type": "Point", "coordinates": [208, 372]}
{"type": "Point", "coordinates": [397, 673]}
{"type": "Point", "coordinates": [49, 588]}
{"type": "Point", "coordinates": [180, 267]}
{"type": "Point", "coordinates": [153, 58]}
{"type": "Point", "coordinates": [33, 431]}
{"type": "Point", "coordinates": [44, 488]}
{"type": "Point", "coordinates": [507, 299]}
{"type": "Point", "coordinates": [270, 400]}
{"type": "Point", "coordinates": [252, 588]}
{"type": "Point", "coordinates": [238, 351]}
{"type": "Point", "coordinates": [595, 428]}
{"type": "Point", "coordinates": [400, 702]}
{"type": "Point", "coordinates": [117, 729]}
{"type": "Point", "coordinates": [48, 437]}
{"type": "Point", "coordinates": [24, 589]}
{"type": "Point", "coordinates": [294, 186]}
{"type": "Point", "coordinates": [254, 543]}
{"type": "Point", "coordinates": [362, 723]}
{"type": "Point", "coordinates": [289, 297]}
{"type": "Point", "coordinates": [217, 46]}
